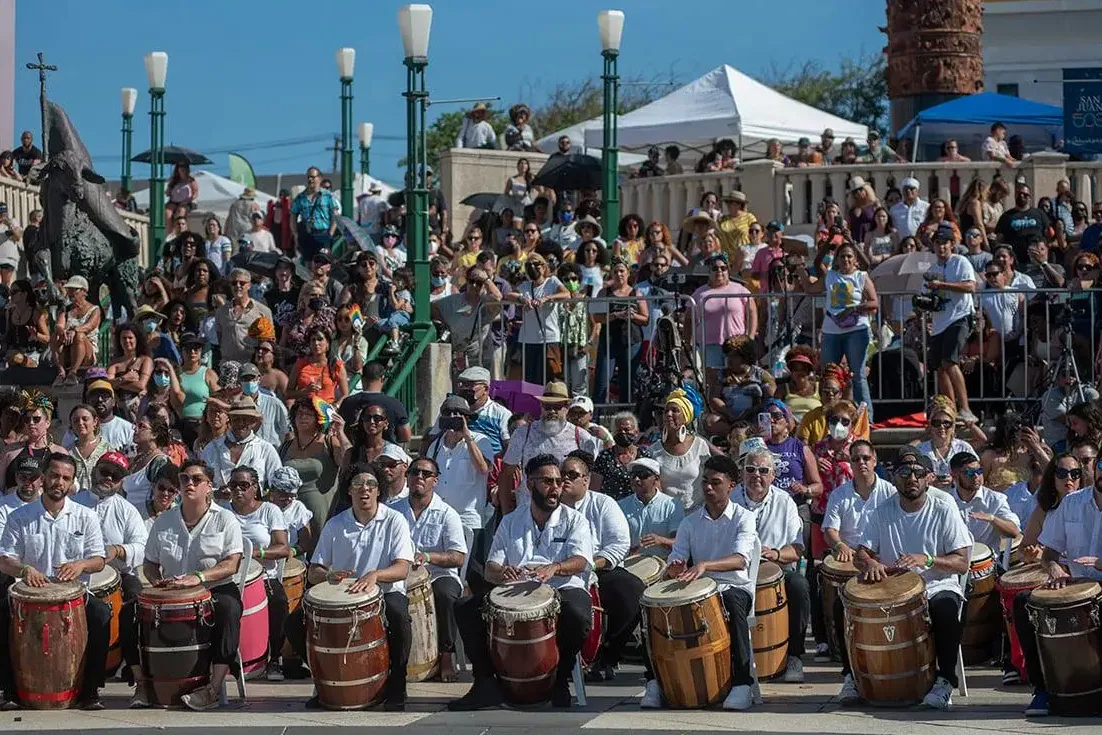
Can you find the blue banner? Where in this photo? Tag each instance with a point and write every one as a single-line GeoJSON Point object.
{"type": "Point", "coordinates": [1083, 111]}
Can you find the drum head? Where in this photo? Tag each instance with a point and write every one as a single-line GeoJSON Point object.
{"type": "Point", "coordinates": [52, 592]}
{"type": "Point", "coordinates": [1026, 577]}
{"type": "Point", "coordinates": [522, 597]}
{"type": "Point", "coordinates": [335, 596]}
{"type": "Point", "coordinates": [293, 568]}
{"type": "Point", "coordinates": [255, 570]}
{"type": "Point", "coordinates": [417, 578]}
{"type": "Point", "coordinates": [104, 579]}
{"type": "Point", "coordinates": [179, 596]}
{"type": "Point", "coordinates": [981, 553]}
{"type": "Point", "coordinates": [839, 568]}
{"type": "Point", "coordinates": [768, 573]}
{"type": "Point", "coordinates": [644, 567]}
{"type": "Point", "coordinates": [895, 589]}
{"type": "Point", "coordinates": [1077, 591]}
{"type": "Point", "coordinates": [671, 593]}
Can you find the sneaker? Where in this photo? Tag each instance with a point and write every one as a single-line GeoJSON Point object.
{"type": "Point", "coordinates": [652, 696]}
{"type": "Point", "coordinates": [848, 693]}
{"type": "Point", "coordinates": [739, 698]}
{"type": "Point", "coordinates": [201, 700]}
{"type": "Point", "coordinates": [794, 671]}
{"type": "Point", "coordinates": [140, 699]}
{"type": "Point", "coordinates": [391, 348]}
{"type": "Point", "coordinates": [940, 695]}
{"type": "Point", "coordinates": [483, 694]}
{"type": "Point", "coordinates": [92, 703]}
{"type": "Point", "coordinates": [1038, 706]}
{"type": "Point", "coordinates": [1011, 676]}
{"type": "Point", "coordinates": [967, 417]}
{"type": "Point", "coordinates": [822, 653]}
{"type": "Point", "coordinates": [274, 672]}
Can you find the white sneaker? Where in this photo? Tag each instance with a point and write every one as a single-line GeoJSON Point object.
{"type": "Point", "coordinates": [822, 653]}
{"type": "Point", "coordinates": [652, 696]}
{"type": "Point", "coordinates": [848, 693]}
{"type": "Point", "coordinates": [940, 695]}
{"type": "Point", "coordinates": [967, 417]}
{"type": "Point", "coordinates": [739, 698]}
{"type": "Point", "coordinates": [794, 671]}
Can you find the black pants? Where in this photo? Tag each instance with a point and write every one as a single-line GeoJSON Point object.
{"type": "Point", "coordinates": [738, 605]}
{"type": "Point", "coordinates": [277, 616]}
{"type": "Point", "coordinates": [446, 591]}
{"type": "Point", "coordinates": [946, 626]}
{"type": "Point", "coordinates": [1027, 638]}
{"type": "Point", "coordinates": [476, 564]}
{"type": "Point", "coordinates": [225, 636]}
{"type": "Point", "coordinates": [128, 619]}
{"type": "Point", "coordinates": [399, 637]}
{"type": "Point", "coordinates": [798, 592]}
{"type": "Point", "coordinates": [620, 591]}
{"type": "Point", "coordinates": [575, 620]}
{"type": "Point", "coordinates": [98, 616]}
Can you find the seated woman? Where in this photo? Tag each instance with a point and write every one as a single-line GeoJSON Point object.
{"type": "Point", "coordinates": [75, 334]}
{"type": "Point", "coordinates": [745, 385]}
{"type": "Point", "coordinates": [130, 373]}
{"type": "Point", "coordinates": [26, 328]}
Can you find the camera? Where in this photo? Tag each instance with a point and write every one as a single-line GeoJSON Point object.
{"type": "Point", "coordinates": [929, 302]}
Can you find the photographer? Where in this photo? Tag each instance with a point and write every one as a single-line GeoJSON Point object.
{"type": "Point", "coordinates": [950, 282]}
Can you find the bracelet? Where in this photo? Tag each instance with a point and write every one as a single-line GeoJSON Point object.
{"type": "Point", "coordinates": [834, 548]}
{"type": "Point", "coordinates": [294, 552]}
{"type": "Point", "coordinates": [929, 561]}
{"type": "Point", "coordinates": [202, 578]}
{"type": "Point", "coordinates": [262, 554]}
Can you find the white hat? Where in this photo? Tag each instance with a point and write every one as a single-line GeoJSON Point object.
{"type": "Point", "coordinates": [648, 463]}
{"type": "Point", "coordinates": [909, 183]}
{"type": "Point", "coordinates": [857, 183]}
{"type": "Point", "coordinates": [583, 402]}
{"type": "Point", "coordinates": [77, 282]}
{"type": "Point", "coordinates": [396, 453]}
{"type": "Point", "coordinates": [475, 375]}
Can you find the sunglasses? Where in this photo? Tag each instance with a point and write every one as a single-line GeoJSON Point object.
{"type": "Point", "coordinates": [34, 419]}
{"type": "Point", "coordinates": [642, 474]}
{"type": "Point", "coordinates": [572, 476]}
{"type": "Point", "coordinates": [113, 475]}
{"type": "Point", "coordinates": [422, 473]}
{"type": "Point", "coordinates": [375, 418]}
{"type": "Point", "coordinates": [719, 268]}
{"type": "Point", "coordinates": [1063, 473]}
{"type": "Point", "coordinates": [385, 463]}
{"type": "Point", "coordinates": [910, 470]}
{"type": "Point", "coordinates": [751, 469]}
{"type": "Point", "coordinates": [941, 424]}
{"type": "Point", "coordinates": [187, 479]}
{"type": "Point", "coordinates": [240, 485]}
{"type": "Point", "coordinates": [992, 274]}
{"type": "Point", "coordinates": [974, 472]}
{"type": "Point", "coordinates": [1083, 267]}
{"type": "Point", "coordinates": [829, 392]}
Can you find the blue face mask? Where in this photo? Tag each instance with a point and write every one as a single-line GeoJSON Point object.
{"type": "Point", "coordinates": [567, 217]}
{"type": "Point", "coordinates": [438, 281]}
{"type": "Point", "coordinates": [250, 387]}
{"type": "Point", "coordinates": [150, 327]}
{"type": "Point", "coordinates": [161, 380]}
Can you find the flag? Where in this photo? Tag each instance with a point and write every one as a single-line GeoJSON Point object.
{"type": "Point", "coordinates": [241, 171]}
{"type": "Point", "coordinates": [357, 318]}
{"type": "Point", "coordinates": [326, 413]}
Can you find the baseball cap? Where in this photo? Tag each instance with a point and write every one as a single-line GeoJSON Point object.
{"type": "Point", "coordinates": [322, 256]}
{"type": "Point", "coordinates": [395, 452]}
{"type": "Point", "coordinates": [775, 226]}
{"type": "Point", "coordinates": [190, 338]}
{"type": "Point", "coordinates": [456, 404]}
{"type": "Point", "coordinates": [910, 455]}
{"type": "Point", "coordinates": [248, 370]}
{"type": "Point", "coordinates": [945, 232]}
{"type": "Point", "coordinates": [116, 458]}
{"type": "Point", "coordinates": [583, 402]}
{"type": "Point", "coordinates": [28, 465]}
{"type": "Point", "coordinates": [645, 463]}
{"type": "Point", "coordinates": [828, 133]}
{"type": "Point", "coordinates": [99, 384]}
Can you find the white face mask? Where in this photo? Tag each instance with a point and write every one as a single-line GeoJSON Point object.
{"type": "Point", "coordinates": [839, 431]}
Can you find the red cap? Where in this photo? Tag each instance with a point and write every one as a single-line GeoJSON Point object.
{"type": "Point", "coordinates": [116, 458]}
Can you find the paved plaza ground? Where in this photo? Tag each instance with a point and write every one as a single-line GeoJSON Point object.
{"type": "Point", "coordinates": [805, 709]}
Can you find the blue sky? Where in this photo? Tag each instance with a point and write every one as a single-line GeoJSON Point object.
{"type": "Point", "coordinates": [247, 73]}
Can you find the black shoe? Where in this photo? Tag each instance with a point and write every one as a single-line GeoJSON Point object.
{"type": "Point", "coordinates": [483, 694]}
{"type": "Point", "coordinates": [295, 671]}
{"type": "Point", "coordinates": [395, 705]}
{"type": "Point", "coordinates": [9, 704]}
{"type": "Point", "coordinates": [560, 696]}
{"type": "Point", "coordinates": [92, 703]}
{"type": "Point", "coordinates": [313, 703]}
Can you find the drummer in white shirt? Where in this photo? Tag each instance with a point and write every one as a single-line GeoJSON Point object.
{"type": "Point", "coordinates": [986, 512]}
{"type": "Point", "coordinates": [28, 486]}
{"type": "Point", "coordinates": [781, 533]}
{"type": "Point", "coordinates": [124, 538]}
{"type": "Point", "coordinates": [284, 485]}
{"type": "Point", "coordinates": [719, 538]}
{"type": "Point", "coordinates": [620, 591]}
{"type": "Point", "coordinates": [371, 543]}
{"type": "Point", "coordinates": [653, 516]}
{"type": "Point", "coordinates": [440, 545]}
{"type": "Point", "coordinates": [922, 532]}
{"type": "Point", "coordinates": [199, 542]}
{"type": "Point", "coordinates": [546, 541]}
{"type": "Point", "coordinates": [55, 538]}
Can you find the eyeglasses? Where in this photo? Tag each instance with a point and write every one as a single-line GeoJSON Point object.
{"type": "Point", "coordinates": [975, 472]}
{"type": "Point", "coordinates": [190, 478]}
{"type": "Point", "coordinates": [552, 481]}
{"type": "Point", "coordinates": [910, 470]}
{"type": "Point", "coordinates": [751, 470]}
{"type": "Point", "coordinates": [422, 473]}
{"type": "Point", "coordinates": [1063, 473]}
{"type": "Point", "coordinates": [941, 424]}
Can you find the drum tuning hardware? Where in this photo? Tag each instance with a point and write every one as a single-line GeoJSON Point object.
{"type": "Point", "coordinates": [1050, 624]}
{"type": "Point", "coordinates": [1094, 616]}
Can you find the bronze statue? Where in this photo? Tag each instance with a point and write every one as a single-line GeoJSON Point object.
{"type": "Point", "coordinates": [82, 233]}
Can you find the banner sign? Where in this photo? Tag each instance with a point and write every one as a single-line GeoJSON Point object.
{"type": "Point", "coordinates": [1083, 111]}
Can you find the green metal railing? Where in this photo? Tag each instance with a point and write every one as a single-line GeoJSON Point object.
{"type": "Point", "coordinates": [401, 379]}
{"type": "Point", "coordinates": [103, 336]}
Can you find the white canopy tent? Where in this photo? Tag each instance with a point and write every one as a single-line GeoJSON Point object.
{"type": "Point", "coordinates": [724, 103]}
{"type": "Point", "coordinates": [216, 194]}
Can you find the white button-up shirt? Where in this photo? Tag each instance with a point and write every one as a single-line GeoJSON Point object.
{"type": "Point", "coordinates": [179, 551]}
{"type": "Point", "coordinates": [8, 504]}
{"type": "Point", "coordinates": [1021, 501]}
{"type": "Point", "coordinates": [908, 219]}
{"type": "Point", "coordinates": [258, 526]}
{"type": "Point", "coordinates": [519, 542]}
{"type": "Point", "coordinates": [275, 425]}
{"type": "Point", "coordinates": [985, 501]}
{"type": "Point", "coordinates": [661, 515]}
{"type": "Point", "coordinates": [255, 453]}
{"type": "Point", "coordinates": [1074, 529]}
{"type": "Point", "coordinates": [437, 529]}
{"type": "Point", "coordinates": [608, 526]}
{"type": "Point", "coordinates": [703, 538]}
{"type": "Point", "coordinates": [348, 545]}
{"type": "Point", "coordinates": [121, 524]}
{"type": "Point", "coordinates": [461, 485]}
{"type": "Point", "coordinates": [776, 518]}
{"type": "Point", "coordinates": [46, 542]}
{"type": "Point", "coordinates": [846, 512]}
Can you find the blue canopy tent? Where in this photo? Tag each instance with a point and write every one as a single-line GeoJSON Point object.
{"type": "Point", "coordinates": [968, 119]}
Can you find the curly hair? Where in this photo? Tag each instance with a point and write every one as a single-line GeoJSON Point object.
{"type": "Point", "coordinates": [742, 346]}
{"type": "Point", "coordinates": [836, 372]}
{"type": "Point", "coordinates": [665, 237]}
{"type": "Point", "coordinates": [803, 351]}
{"type": "Point", "coordinates": [141, 343]}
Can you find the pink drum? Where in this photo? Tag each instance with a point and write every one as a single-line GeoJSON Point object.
{"type": "Point", "coordinates": [254, 623]}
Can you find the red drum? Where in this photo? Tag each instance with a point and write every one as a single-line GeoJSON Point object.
{"type": "Point", "coordinates": [1018, 579]}
{"type": "Point", "coordinates": [523, 618]}
{"type": "Point", "coordinates": [592, 645]}
{"type": "Point", "coordinates": [254, 623]}
{"type": "Point", "coordinates": [174, 635]}
{"type": "Point", "coordinates": [47, 639]}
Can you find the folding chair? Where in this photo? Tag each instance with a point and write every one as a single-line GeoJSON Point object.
{"type": "Point", "coordinates": [579, 681]}
{"type": "Point", "coordinates": [460, 654]}
{"type": "Point", "coordinates": [752, 620]}
{"type": "Point", "coordinates": [242, 576]}
{"type": "Point", "coordinates": [962, 682]}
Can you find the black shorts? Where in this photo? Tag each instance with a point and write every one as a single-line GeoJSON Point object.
{"type": "Point", "coordinates": [945, 348]}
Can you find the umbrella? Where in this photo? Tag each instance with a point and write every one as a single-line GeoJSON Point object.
{"type": "Point", "coordinates": [517, 395]}
{"type": "Point", "coordinates": [573, 171]}
{"type": "Point", "coordinates": [354, 234]}
{"type": "Point", "coordinates": [264, 264]}
{"type": "Point", "coordinates": [903, 273]}
{"type": "Point", "coordinates": [483, 200]}
{"type": "Point", "coordinates": [175, 154]}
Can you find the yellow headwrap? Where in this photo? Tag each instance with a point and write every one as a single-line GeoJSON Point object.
{"type": "Point", "coordinates": [680, 399]}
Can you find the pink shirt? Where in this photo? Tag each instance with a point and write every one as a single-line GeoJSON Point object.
{"type": "Point", "coordinates": [762, 261]}
{"type": "Point", "coordinates": [723, 317]}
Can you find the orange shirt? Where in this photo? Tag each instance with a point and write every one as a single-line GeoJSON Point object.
{"type": "Point", "coordinates": [308, 372]}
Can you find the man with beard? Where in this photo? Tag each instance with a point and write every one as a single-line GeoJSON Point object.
{"type": "Point", "coordinates": [241, 446]}
{"type": "Point", "coordinates": [925, 533]}
{"type": "Point", "coordinates": [440, 547]}
{"type": "Point", "coordinates": [550, 435]}
{"type": "Point", "coordinates": [116, 431]}
{"type": "Point", "coordinates": [719, 539]}
{"type": "Point", "coordinates": [28, 486]}
{"type": "Point", "coordinates": [545, 541]}
{"type": "Point", "coordinates": [124, 538]}
{"type": "Point", "coordinates": [55, 538]}
{"type": "Point", "coordinates": [1023, 224]}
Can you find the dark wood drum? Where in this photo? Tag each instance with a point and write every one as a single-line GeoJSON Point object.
{"type": "Point", "coordinates": [48, 639]}
{"type": "Point", "coordinates": [522, 619]}
{"type": "Point", "coordinates": [888, 638]}
{"type": "Point", "coordinates": [346, 646]}
{"type": "Point", "coordinates": [1069, 640]}
{"type": "Point", "coordinates": [174, 635]}
{"type": "Point", "coordinates": [833, 575]}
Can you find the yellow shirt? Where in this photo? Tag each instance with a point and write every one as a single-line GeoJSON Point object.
{"type": "Point", "coordinates": [463, 262]}
{"type": "Point", "coordinates": [734, 232]}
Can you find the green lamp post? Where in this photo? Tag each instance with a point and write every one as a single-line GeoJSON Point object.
{"type": "Point", "coordinates": [415, 22]}
{"type": "Point", "coordinates": [367, 131]}
{"type": "Point", "coordinates": [610, 26]}
{"type": "Point", "coordinates": [129, 101]}
{"type": "Point", "coordinates": [156, 69]}
{"type": "Point", "coordinates": [346, 62]}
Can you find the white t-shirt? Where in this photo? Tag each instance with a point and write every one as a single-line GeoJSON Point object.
{"type": "Point", "coordinates": [519, 542]}
{"type": "Point", "coordinates": [941, 462]}
{"type": "Point", "coordinates": [258, 527]}
{"type": "Point", "coordinates": [776, 518]}
{"type": "Point", "coordinates": [348, 545]}
{"type": "Point", "coordinates": [844, 291]}
{"type": "Point", "coordinates": [118, 433]}
{"type": "Point", "coordinates": [661, 516]}
{"type": "Point", "coordinates": [936, 528]}
{"type": "Point", "coordinates": [461, 485]}
{"type": "Point", "coordinates": [847, 513]}
{"type": "Point", "coordinates": [1003, 309]}
{"type": "Point", "coordinates": [703, 538]}
{"type": "Point", "coordinates": [180, 551]}
{"type": "Point", "coordinates": [956, 269]}
{"type": "Point", "coordinates": [438, 529]}
{"type": "Point", "coordinates": [530, 332]}
{"type": "Point", "coordinates": [608, 526]}
{"type": "Point", "coordinates": [1074, 529]}
{"type": "Point", "coordinates": [682, 476]}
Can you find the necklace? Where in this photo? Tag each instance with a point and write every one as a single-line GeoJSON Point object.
{"type": "Point", "coordinates": [301, 446]}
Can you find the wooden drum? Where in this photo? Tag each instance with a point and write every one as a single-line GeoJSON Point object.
{"type": "Point", "coordinates": [770, 635]}
{"type": "Point", "coordinates": [424, 651]}
{"type": "Point", "coordinates": [888, 638]}
{"type": "Point", "coordinates": [346, 645]}
{"type": "Point", "coordinates": [522, 619]}
{"type": "Point", "coordinates": [106, 584]}
{"type": "Point", "coordinates": [47, 638]}
{"type": "Point", "coordinates": [646, 567]}
{"type": "Point", "coordinates": [174, 636]}
{"type": "Point", "coordinates": [254, 623]}
{"type": "Point", "coordinates": [1019, 579]}
{"type": "Point", "coordinates": [294, 585]}
{"type": "Point", "coordinates": [688, 641]}
{"type": "Point", "coordinates": [984, 623]}
{"type": "Point", "coordinates": [1069, 640]}
{"type": "Point", "coordinates": [833, 575]}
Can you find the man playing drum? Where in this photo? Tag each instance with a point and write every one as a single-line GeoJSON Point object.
{"type": "Point", "coordinates": [370, 542]}
{"type": "Point", "coordinates": [719, 539]}
{"type": "Point", "coordinates": [28, 486]}
{"type": "Point", "coordinates": [440, 545]}
{"type": "Point", "coordinates": [925, 533]}
{"type": "Point", "coordinates": [781, 533]}
{"type": "Point", "coordinates": [124, 538]}
{"type": "Point", "coordinates": [545, 541]}
{"type": "Point", "coordinates": [199, 543]}
{"type": "Point", "coordinates": [986, 512]}
{"type": "Point", "coordinates": [619, 589]}
{"type": "Point", "coordinates": [56, 539]}
{"type": "Point", "coordinates": [653, 516]}
{"type": "Point", "coordinates": [850, 504]}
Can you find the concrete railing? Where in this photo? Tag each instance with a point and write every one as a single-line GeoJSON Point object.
{"type": "Point", "coordinates": [1086, 181]}
{"type": "Point", "coordinates": [22, 199]}
{"type": "Point", "coordinates": [466, 171]}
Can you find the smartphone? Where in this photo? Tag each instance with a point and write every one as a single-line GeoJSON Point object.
{"type": "Point", "coordinates": [765, 424]}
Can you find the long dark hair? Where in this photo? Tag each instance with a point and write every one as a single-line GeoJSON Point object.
{"type": "Point", "coordinates": [183, 167]}
{"type": "Point", "coordinates": [1047, 497]}
{"type": "Point", "coordinates": [1091, 413]}
{"type": "Point", "coordinates": [141, 344]}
